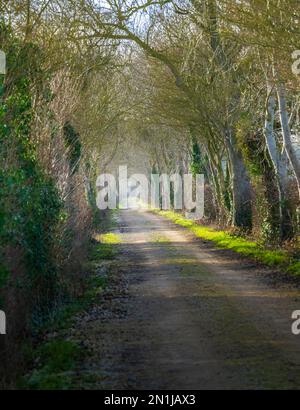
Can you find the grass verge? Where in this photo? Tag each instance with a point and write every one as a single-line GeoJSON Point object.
{"type": "Point", "coordinates": [273, 258]}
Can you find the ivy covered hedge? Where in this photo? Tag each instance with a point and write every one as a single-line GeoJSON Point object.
{"type": "Point", "coordinates": [30, 205]}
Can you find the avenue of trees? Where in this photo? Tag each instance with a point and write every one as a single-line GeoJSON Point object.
{"type": "Point", "coordinates": [202, 86]}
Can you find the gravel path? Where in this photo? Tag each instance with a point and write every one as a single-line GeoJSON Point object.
{"type": "Point", "coordinates": [180, 314]}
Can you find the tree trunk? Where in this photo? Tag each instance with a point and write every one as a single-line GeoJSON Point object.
{"type": "Point", "coordinates": [222, 213]}
{"type": "Point", "coordinates": [241, 187]}
{"type": "Point", "coordinates": [286, 133]}
{"type": "Point", "coordinates": [279, 163]}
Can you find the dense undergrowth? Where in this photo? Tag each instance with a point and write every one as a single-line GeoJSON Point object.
{"type": "Point", "coordinates": [45, 217]}
{"type": "Point", "coordinates": [53, 357]}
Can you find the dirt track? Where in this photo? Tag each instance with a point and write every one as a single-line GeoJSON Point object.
{"type": "Point", "coordinates": [183, 315]}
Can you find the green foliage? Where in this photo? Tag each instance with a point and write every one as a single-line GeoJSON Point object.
{"type": "Point", "coordinates": [105, 251]}
{"type": "Point", "coordinates": [106, 247]}
{"type": "Point", "coordinates": [269, 231]}
{"type": "Point", "coordinates": [109, 238]}
{"type": "Point", "coordinates": [57, 359]}
{"type": "Point", "coordinates": [58, 355]}
{"type": "Point", "coordinates": [251, 144]}
{"type": "Point", "coordinates": [294, 268]}
{"type": "Point", "coordinates": [258, 162]}
{"type": "Point", "coordinates": [198, 162]}
{"type": "Point", "coordinates": [29, 201]}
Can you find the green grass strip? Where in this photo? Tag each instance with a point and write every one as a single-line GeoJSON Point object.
{"type": "Point", "coordinates": [273, 258]}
